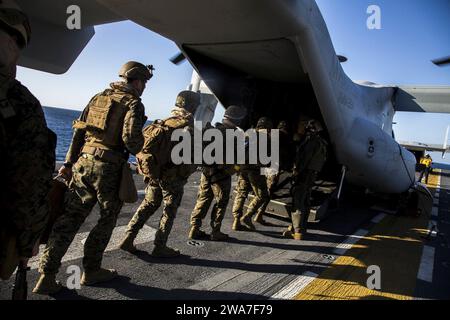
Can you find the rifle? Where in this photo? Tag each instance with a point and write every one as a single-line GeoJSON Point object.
{"type": "Point", "coordinates": [20, 289]}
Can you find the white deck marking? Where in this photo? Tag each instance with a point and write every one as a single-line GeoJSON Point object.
{"type": "Point", "coordinates": [378, 218]}
{"type": "Point", "coordinates": [296, 286]}
{"type": "Point", "coordinates": [350, 241]}
{"type": "Point", "coordinates": [426, 264]}
{"type": "Point", "coordinates": [236, 279]}
{"type": "Point", "coordinates": [432, 226]}
{"type": "Point", "coordinates": [76, 249]}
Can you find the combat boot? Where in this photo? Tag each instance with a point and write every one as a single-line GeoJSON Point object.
{"type": "Point", "coordinates": [90, 278]}
{"type": "Point", "coordinates": [288, 233]}
{"type": "Point", "coordinates": [217, 235]}
{"type": "Point", "coordinates": [246, 221]}
{"type": "Point", "coordinates": [298, 236]}
{"type": "Point", "coordinates": [127, 244]}
{"type": "Point", "coordinates": [165, 252]}
{"type": "Point", "coordinates": [237, 226]}
{"type": "Point", "coordinates": [47, 284]}
{"type": "Point", "coordinates": [197, 234]}
{"type": "Point", "coordinates": [259, 219]}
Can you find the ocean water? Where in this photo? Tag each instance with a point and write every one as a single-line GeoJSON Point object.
{"type": "Point", "coordinates": [60, 121]}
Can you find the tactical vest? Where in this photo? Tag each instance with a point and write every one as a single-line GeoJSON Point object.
{"type": "Point", "coordinates": [154, 157]}
{"type": "Point", "coordinates": [218, 172]}
{"type": "Point", "coordinates": [105, 119]}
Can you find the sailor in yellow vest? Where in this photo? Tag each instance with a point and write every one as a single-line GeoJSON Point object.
{"type": "Point", "coordinates": [426, 163]}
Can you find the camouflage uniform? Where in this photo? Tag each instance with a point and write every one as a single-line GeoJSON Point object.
{"type": "Point", "coordinates": [311, 155]}
{"type": "Point", "coordinates": [167, 188]}
{"type": "Point", "coordinates": [261, 197]}
{"type": "Point", "coordinates": [243, 188]}
{"type": "Point", "coordinates": [251, 177]}
{"type": "Point", "coordinates": [272, 181]}
{"type": "Point", "coordinates": [96, 177]}
{"type": "Point", "coordinates": [215, 184]}
{"type": "Point", "coordinates": [286, 157]}
{"type": "Point", "coordinates": [27, 149]}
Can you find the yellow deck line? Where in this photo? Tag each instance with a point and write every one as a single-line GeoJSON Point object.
{"type": "Point", "coordinates": [395, 245]}
{"type": "Point", "coordinates": [434, 179]}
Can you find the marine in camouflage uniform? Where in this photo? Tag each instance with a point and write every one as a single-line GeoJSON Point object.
{"type": "Point", "coordinates": [215, 184]}
{"type": "Point", "coordinates": [109, 128]}
{"type": "Point", "coordinates": [251, 178]}
{"type": "Point", "coordinates": [311, 155]}
{"type": "Point", "coordinates": [167, 188]}
{"type": "Point", "coordinates": [286, 159]}
{"type": "Point", "coordinates": [27, 149]}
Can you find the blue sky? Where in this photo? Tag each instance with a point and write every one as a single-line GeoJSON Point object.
{"type": "Point", "coordinates": [413, 33]}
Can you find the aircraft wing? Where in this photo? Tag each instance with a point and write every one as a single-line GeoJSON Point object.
{"type": "Point", "coordinates": [419, 146]}
{"type": "Point", "coordinates": [442, 166]}
{"type": "Point", "coordinates": [53, 47]}
{"type": "Point", "coordinates": [422, 99]}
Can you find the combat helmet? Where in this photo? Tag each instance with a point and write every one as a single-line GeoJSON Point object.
{"type": "Point", "coordinates": [283, 126]}
{"type": "Point", "coordinates": [314, 126]}
{"type": "Point", "coordinates": [135, 70]}
{"type": "Point", "coordinates": [235, 114]}
{"type": "Point", "coordinates": [188, 100]}
{"type": "Point", "coordinates": [264, 123]}
{"type": "Point", "coordinates": [15, 22]}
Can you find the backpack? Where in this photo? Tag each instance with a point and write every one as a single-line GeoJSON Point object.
{"type": "Point", "coordinates": [156, 152]}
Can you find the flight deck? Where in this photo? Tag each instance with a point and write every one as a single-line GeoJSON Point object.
{"type": "Point", "coordinates": [412, 255]}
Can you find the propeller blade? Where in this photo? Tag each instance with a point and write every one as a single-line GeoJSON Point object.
{"type": "Point", "coordinates": [178, 58]}
{"type": "Point", "coordinates": [441, 61]}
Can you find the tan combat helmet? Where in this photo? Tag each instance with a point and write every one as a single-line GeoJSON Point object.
{"type": "Point", "coordinates": [188, 100]}
{"type": "Point", "coordinates": [134, 70]}
{"type": "Point", "coordinates": [15, 22]}
{"type": "Point", "coordinates": [264, 123]}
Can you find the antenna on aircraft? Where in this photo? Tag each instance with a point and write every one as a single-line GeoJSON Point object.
{"type": "Point", "coordinates": [178, 58]}
{"type": "Point", "coordinates": [342, 59]}
{"type": "Point", "coordinates": [441, 61]}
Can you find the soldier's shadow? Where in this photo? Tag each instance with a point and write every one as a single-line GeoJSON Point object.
{"type": "Point", "coordinates": [125, 287]}
{"type": "Point", "coordinates": [147, 257]}
{"type": "Point", "coordinates": [67, 294]}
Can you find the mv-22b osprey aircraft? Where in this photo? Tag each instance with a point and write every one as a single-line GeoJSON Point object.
{"type": "Point", "coordinates": [275, 58]}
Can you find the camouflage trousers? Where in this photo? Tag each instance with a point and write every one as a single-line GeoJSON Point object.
{"type": "Point", "coordinates": [251, 180]}
{"type": "Point", "coordinates": [93, 181]}
{"type": "Point", "coordinates": [156, 192]}
{"type": "Point", "coordinates": [207, 192]}
{"type": "Point", "coordinates": [301, 200]}
{"type": "Point", "coordinates": [272, 181]}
